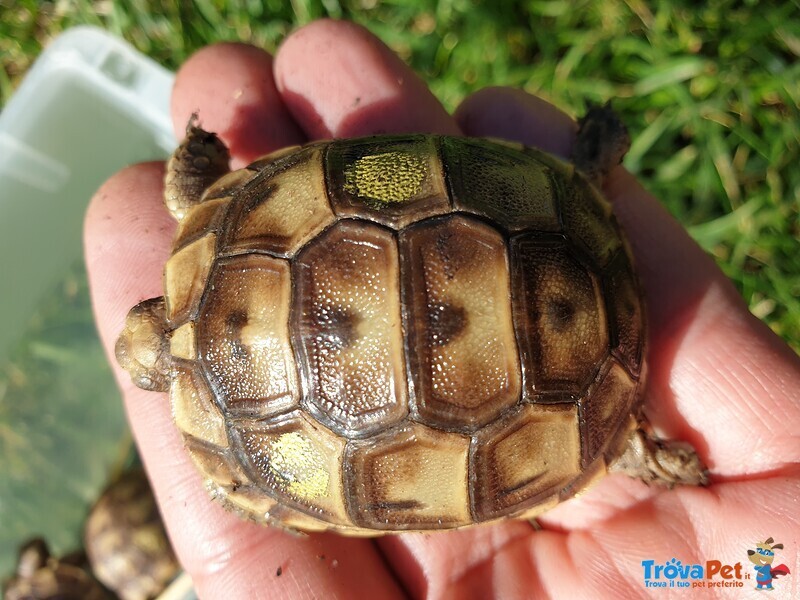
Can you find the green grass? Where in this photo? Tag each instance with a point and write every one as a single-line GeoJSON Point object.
{"type": "Point", "coordinates": [710, 94]}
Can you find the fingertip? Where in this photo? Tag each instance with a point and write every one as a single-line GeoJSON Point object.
{"type": "Point", "coordinates": [513, 114]}
{"type": "Point", "coordinates": [231, 87]}
{"type": "Point", "coordinates": [339, 80]}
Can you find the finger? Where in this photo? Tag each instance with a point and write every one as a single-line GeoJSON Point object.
{"type": "Point", "coordinates": [460, 564]}
{"type": "Point", "coordinates": [127, 241]}
{"type": "Point", "coordinates": [512, 114]}
{"type": "Point", "coordinates": [338, 80]}
{"type": "Point", "coordinates": [718, 377]}
{"type": "Point", "coordinates": [231, 88]}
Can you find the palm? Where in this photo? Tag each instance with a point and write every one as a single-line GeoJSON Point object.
{"type": "Point", "coordinates": [718, 378]}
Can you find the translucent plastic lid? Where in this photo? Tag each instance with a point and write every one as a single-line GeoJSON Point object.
{"type": "Point", "coordinates": [90, 105]}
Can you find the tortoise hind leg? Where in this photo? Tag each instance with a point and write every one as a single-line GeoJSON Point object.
{"type": "Point", "coordinates": [654, 460]}
{"type": "Point", "coordinates": [198, 162]}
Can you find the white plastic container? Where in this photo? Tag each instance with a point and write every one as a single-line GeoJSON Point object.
{"type": "Point", "coordinates": [90, 105]}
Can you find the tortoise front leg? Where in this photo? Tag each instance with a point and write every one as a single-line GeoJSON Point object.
{"type": "Point", "coordinates": [600, 144]}
{"type": "Point", "coordinates": [198, 162]}
{"type": "Point", "coordinates": [143, 346]}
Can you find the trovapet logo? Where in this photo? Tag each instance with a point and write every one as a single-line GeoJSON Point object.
{"type": "Point", "coordinates": [715, 573]}
{"type": "Point", "coordinates": [676, 574]}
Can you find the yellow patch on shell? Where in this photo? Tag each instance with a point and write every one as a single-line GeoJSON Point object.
{"type": "Point", "coordinates": [299, 460]}
{"type": "Point", "coordinates": [389, 177]}
{"type": "Point", "coordinates": [300, 464]}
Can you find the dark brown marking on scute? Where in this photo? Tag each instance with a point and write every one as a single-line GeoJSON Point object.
{"type": "Point", "coordinates": [392, 506]}
{"type": "Point", "coordinates": [559, 315]}
{"type": "Point", "coordinates": [446, 322]}
{"type": "Point", "coordinates": [234, 323]}
{"type": "Point", "coordinates": [336, 326]}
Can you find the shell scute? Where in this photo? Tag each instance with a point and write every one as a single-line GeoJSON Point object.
{"type": "Point", "coordinates": [588, 220]}
{"type": "Point", "coordinates": [243, 339]}
{"type": "Point", "coordinates": [500, 183]}
{"type": "Point", "coordinates": [194, 409]}
{"type": "Point", "coordinates": [625, 312]}
{"type": "Point", "coordinates": [185, 277]}
{"type": "Point", "coordinates": [393, 180]}
{"type": "Point", "coordinates": [607, 404]}
{"type": "Point", "coordinates": [200, 220]}
{"type": "Point", "coordinates": [560, 317]}
{"type": "Point", "coordinates": [282, 208]}
{"type": "Point", "coordinates": [525, 458]}
{"type": "Point", "coordinates": [412, 477]}
{"type": "Point", "coordinates": [298, 460]}
{"type": "Point", "coordinates": [462, 350]}
{"type": "Point", "coordinates": [348, 330]}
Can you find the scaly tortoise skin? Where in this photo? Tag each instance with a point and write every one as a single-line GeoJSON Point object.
{"type": "Point", "coordinates": [399, 333]}
{"type": "Point", "coordinates": [125, 541]}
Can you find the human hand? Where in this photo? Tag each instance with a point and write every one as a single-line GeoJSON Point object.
{"type": "Point", "coordinates": [719, 378]}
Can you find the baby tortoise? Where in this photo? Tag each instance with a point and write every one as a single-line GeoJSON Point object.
{"type": "Point", "coordinates": [40, 576]}
{"type": "Point", "coordinates": [125, 540]}
{"type": "Point", "coordinates": [400, 333]}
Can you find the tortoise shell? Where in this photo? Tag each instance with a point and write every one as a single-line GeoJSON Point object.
{"type": "Point", "coordinates": [402, 333]}
{"type": "Point", "coordinates": [126, 544]}
{"type": "Point", "coordinates": [40, 576]}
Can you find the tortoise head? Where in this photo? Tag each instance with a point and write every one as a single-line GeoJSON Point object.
{"type": "Point", "coordinates": [143, 346]}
